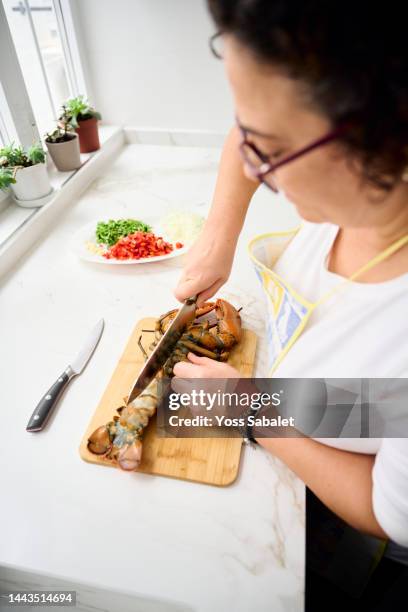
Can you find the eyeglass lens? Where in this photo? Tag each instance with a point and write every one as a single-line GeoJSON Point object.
{"type": "Point", "coordinates": [256, 163]}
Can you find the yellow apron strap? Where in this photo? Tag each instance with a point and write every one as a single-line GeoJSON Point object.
{"type": "Point", "coordinates": [373, 262]}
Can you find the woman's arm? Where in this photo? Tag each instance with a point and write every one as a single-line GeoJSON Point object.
{"type": "Point", "coordinates": [210, 259]}
{"type": "Point", "coordinates": [340, 479]}
{"type": "Point", "coordinates": [233, 190]}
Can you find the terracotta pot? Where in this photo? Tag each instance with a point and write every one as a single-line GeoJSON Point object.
{"type": "Point", "coordinates": [88, 135]}
{"type": "Point", "coordinates": [32, 183]}
{"type": "Point", "coordinates": [65, 155]}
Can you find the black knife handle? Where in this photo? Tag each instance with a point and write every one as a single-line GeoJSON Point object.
{"type": "Point", "coordinates": [46, 405]}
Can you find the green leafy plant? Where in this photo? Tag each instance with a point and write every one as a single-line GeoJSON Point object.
{"type": "Point", "coordinates": [64, 130]}
{"type": "Point", "coordinates": [78, 109]}
{"type": "Point", "coordinates": [60, 134]}
{"type": "Point", "coordinates": [6, 178]}
{"type": "Point", "coordinates": [12, 156]}
{"type": "Point", "coordinates": [109, 232]}
{"type": "Point", "coordinates": [36, 154]}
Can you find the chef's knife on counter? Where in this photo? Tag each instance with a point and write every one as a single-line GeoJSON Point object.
{"type": "Point", "coordinates": [164, 348]}
{"type": "Point", "coordinates": [46, 405]}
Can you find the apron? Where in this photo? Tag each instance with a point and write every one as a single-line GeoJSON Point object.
{"type": "Point", "coordinates": [288, 312]}
{"type": "Point", "coordinates": [336, 551]}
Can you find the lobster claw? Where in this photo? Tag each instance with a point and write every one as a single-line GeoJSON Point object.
{"type": "Point", "coordinates": [229, 321]}
{"type": "Point", "coordinates": [99, 443]}
{"type": "Point", "coordinates": [130, 456]}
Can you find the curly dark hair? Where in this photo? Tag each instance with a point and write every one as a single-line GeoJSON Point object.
{"type": "Point", "coordinates": [352, 56]}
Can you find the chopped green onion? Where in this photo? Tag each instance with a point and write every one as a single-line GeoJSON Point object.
{"type": "Point", "coordinates": [111, 231]}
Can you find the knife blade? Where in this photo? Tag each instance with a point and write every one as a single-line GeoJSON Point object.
{"type": "Point", "coordinates": [164, 348]}
{"type": "Point", "coordinates": [48, 402]}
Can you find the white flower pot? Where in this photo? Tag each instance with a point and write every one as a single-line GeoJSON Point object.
{"type": "Point", "coordinates": [32, 183]}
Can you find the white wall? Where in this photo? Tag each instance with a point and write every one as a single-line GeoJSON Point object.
{"type": "Point", "coordinates": [149, 63]}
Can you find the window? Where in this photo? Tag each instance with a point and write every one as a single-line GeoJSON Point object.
{"type": "Point", "coordinates": [44, 40]}
{"type": "Point", "coordinates": [40, 67]}
{"type": "Point", "coordinates": [7, 129]}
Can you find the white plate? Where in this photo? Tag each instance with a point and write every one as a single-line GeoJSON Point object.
{"type": "Point", "coordinates": [87, 234]}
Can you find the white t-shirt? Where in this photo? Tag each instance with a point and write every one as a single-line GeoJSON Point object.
{"type": "Point", "coordinates": [362, 332]}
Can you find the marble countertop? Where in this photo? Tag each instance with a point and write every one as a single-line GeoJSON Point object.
{"type": "Point", "coordinates": [240, 547]}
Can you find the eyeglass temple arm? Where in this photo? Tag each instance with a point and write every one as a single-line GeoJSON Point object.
{"type": "Point", "coordinates": [318, 143]}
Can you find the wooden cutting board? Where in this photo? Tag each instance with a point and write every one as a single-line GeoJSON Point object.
{"type": "Point", "coordinates": [206, 460]}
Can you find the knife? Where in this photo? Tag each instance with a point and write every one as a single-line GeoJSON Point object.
{"type": "Point", "coordinates": [47, 404]}
{"type": "Point", "coordinates": [164, 348]}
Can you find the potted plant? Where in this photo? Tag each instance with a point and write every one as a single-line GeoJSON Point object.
{"type": "Point", "coordinates": [31, 184]}
{"type": "Point", "coordinates": [84, 119]}
{"type": "Point", "coordinates": [63, 145]}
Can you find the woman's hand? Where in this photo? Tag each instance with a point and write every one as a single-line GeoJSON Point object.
{"type": "Point", "coordinates": [216, 379]}
{"type": "Point", "coordinates": [204, 367]}
{"type": "Point", "coordinates": [209, 263]}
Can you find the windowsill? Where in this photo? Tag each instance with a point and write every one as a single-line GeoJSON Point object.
{"type": "Point", "coordinates": [14, 217]}
{"type": "Point", "coordinates": [20, 228]}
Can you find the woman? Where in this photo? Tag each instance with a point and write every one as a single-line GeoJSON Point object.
{"type": "Point", "coordinates": [321, 100]}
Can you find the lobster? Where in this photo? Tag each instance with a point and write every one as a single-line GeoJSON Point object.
{"type": "Point", "coordinates": [214, 331]}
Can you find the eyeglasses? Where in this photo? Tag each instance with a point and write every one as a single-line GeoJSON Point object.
{"type": "Point", "coordinates": [260, 165]}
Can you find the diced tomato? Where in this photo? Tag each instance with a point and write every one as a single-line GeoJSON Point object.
{"type": "Point", "coordinates": [138, 246]}
{"type": "Point", "coordinates": [179, 245]}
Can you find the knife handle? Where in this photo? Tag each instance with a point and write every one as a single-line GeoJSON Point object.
{"type": "Point", "coordinates": [47, 404]}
